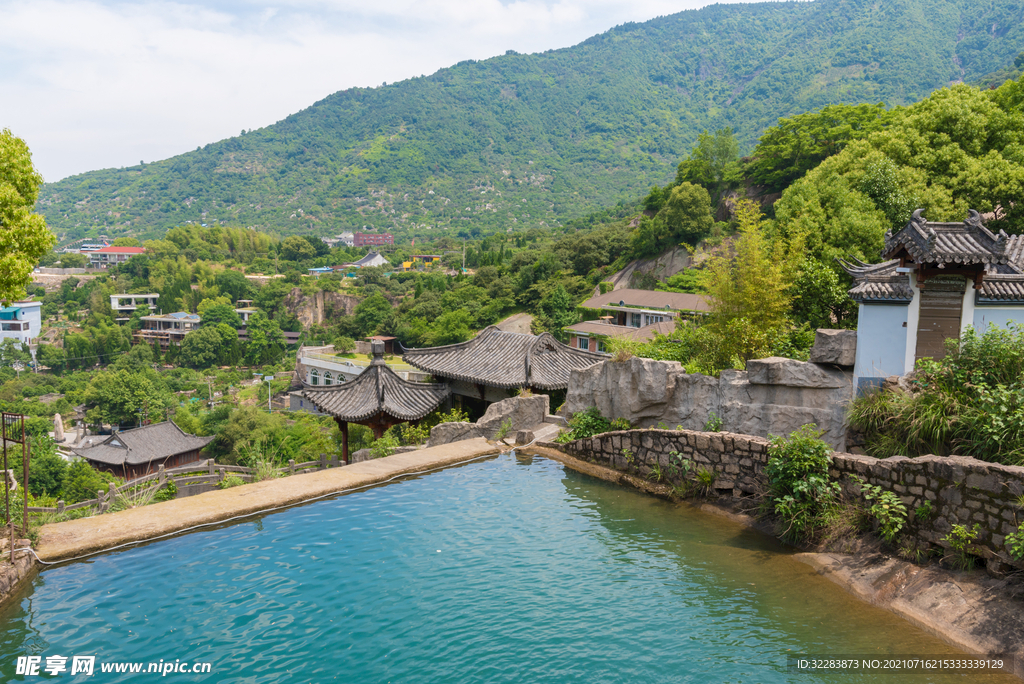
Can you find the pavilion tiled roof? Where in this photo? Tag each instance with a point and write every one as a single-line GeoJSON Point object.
{"type": "Point", "coordinates": [145, 444]}
{"type": "Point", "coordinates": [505, 359]}
{"type": "Point", "coordinates": [378, 389]}
{"type": "Point", "coordinates": [968, 242]}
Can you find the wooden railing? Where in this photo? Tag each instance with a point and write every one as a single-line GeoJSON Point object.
{"type": "Point", "coordinates": [209, 473]}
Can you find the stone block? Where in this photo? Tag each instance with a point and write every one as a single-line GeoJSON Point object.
{"type": "Point", "coordinates": [524, 437]}
{"type": "Point", "coordinates": [776, 370]}
{"type": "Point", "coordinates": [837, 347]}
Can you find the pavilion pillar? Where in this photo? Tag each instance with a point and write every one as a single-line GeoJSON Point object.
{"type": "Point", "coordinates": [343, 426]}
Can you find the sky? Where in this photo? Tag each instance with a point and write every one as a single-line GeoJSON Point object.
{"type": "Point", "coordinates": [101, 84]}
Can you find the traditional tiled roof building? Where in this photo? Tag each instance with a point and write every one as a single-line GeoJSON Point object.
{"type": "Point", "coordinates": [377, 398]}
{"type": "Point", "coordinates": [140, 451]}
{"type": "Point", "coordinates": [917, 299]}
{"type": "Point", "coordinates": [503, 360]}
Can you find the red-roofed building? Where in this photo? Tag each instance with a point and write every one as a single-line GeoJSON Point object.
{"type": "Point", "coordinates": [102, 258]}
{"type": "Point", "coordinates": [364, 239]}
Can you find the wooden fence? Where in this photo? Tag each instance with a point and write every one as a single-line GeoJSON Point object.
{"type": "Point", "coordinates": [209, 474]}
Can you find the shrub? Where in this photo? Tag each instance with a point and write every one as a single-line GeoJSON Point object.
{"type": "Point", "coordinates": [231, 481]}
{"type": "Point", "coordinates": [585, 424]}
{"type": "Point", "coordinates": [885, 507]}
{"type": "Point", "coordinates": [167, 493]}
{"type": "Point", "coordinates": [971, 402]}
{"type": "Point", "coordinates": [1015, 543]}
{"type": "Point", "coordinates": [385, 446]}
{"type": "Point", "coordinates": [799, 489]}
{"type": "Point", "coordinates": [959, 540]}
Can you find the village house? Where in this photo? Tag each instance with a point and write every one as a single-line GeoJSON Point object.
{"type": "Point", "coordinates": [633, 314]}
{"type": "Point", "coordinates": [167, 329]}
{"type": "Point", "coordinates": [124, 305]}
{"type": "Point", "coordinates": [21, 322]}
{"type": "Point", "coordinates": [140, 451]}
{"type": "Point", "coordinates": [372, 239]}
{"type": "Point", "coordinates": [939, 278]}
{"type": "Point", "coordinates": [102, 258]}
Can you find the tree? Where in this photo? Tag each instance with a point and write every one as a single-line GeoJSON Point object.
{"type": "Point", "coordinates": [73, 260]}
{"type": "Point", "coordinates": [82, 481]}
{"type": "Point", "coordinates": [214, 314]}
{"type": "Point", "coordinates": [687, 214]}
{"type": "Point", "coordinates": [957, 149]}
{"type": "Point", "coordinates": [713, 163]}
{"type": "Point", "coordinates": [451, 327]}
{"type": "Point", "coordinates": [201, 348]}
{"type": "Point", "coordinates": [12, 351]}
{"type": "Point", "coordinates": [124, 397]}
{"type": "Point", "coordinates": [751, 293]}
{"type": "Point", "coordinates": [25, 235]}
{"type": "Point", "coordinates": [266, 341]}
{"type": "Point", "coordinates": [558, 310]}
{"type": "Point", "coordinates": [295, 248]}
{"type": "Point", "coordinates": [371, 312]}
{"type": "Point", "coordinates": [233, 284]}
{"type": "Point", "coordinates": [820, 297]}
{"type": "Point", "coordinates": [51, 356]}
{"type": "Point", "coordinates": [798, 143]}
{"type": "Point", "coordinates": [126, 242]}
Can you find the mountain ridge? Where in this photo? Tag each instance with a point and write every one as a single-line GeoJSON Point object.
{"type": "Point", "coordinates": [520, 141]}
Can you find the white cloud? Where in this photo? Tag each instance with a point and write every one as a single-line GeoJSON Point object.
{"type": "Point", "coordinates": [104, 84]}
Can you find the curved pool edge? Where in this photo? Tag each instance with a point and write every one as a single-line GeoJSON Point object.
{"type": "Point", "coordinates": [86, 536]}
{"type": "Point", "coordinates": [969, 613]}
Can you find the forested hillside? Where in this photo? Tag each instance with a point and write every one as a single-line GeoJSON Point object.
{"type": "Point", "coordinates": [528, 140]}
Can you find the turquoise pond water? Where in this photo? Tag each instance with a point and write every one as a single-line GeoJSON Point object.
{"type": "Point", "coordinates": [509, 569]}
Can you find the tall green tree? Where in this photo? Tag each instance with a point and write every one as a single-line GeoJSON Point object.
{"type": "Point", "coordinates": [24, 237]}
{"type": "Point", "coordinates": [798, 143]}
{"type": "Point", "coordinates": [714, 163]}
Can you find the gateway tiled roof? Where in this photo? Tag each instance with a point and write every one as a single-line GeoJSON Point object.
{"type": "Point", "coordinates": [1001, 289]}
{"type": "Point", "coordinates": [505, 359]}
{"type": "Point", "coordinates": [968, 242]}
{"type": "Point", "coordinates": [145, 444]}
{"type": "Point", "coordinates": [878, 282]}
{"type": "Point", "coordinates": [649, 299]}
{"type": "Point", "coordinates": [378, 389]}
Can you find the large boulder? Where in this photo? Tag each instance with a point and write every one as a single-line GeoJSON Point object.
{"type": "Point", "coordinates": [520, 413]}
{"type": "Point", "coordinates": [446, 433]}
{"type": "Point", "coordinates": [837, 347]}
{"type": "Point", "coordinates": [776, 370]}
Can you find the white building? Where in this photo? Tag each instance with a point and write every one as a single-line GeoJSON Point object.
{"type": "Point", "coordinates": [348, 238]}
{"type": "Point", "coordinates": [124, 305]}
{"type": "Point", "coordinates": [941, 278]}
{"type": "Point", "coordinates": [21, 321]}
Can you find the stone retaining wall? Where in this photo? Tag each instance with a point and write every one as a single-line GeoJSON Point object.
{"type": "Point", "coordinates": [772, 396]}
{"type": "Point", "coordinates": [961, 490]}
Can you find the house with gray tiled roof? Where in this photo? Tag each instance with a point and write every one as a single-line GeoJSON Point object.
{"type": "Point", "coordinates": [496, 363]}
{"type": "Point", "coordinates": [938, 279]}
{"type": "Point", "coordinates": [140, 451]}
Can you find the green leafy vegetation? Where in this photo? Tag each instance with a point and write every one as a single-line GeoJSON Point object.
{"type": "Point", "coordinates": [800, 491]}
{"type": "Point", "coordinates": [969, 403]}
{"type": "Point", "coordinates": [885, 507]}
{"type": "Point", "coordinates": [960, 540]}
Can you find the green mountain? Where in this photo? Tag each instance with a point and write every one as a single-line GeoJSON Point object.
{"type": "Point", "coordinates": [527, 140]}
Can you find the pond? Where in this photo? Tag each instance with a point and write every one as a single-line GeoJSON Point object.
{"type": "Point", "coordinates": [508, 569]}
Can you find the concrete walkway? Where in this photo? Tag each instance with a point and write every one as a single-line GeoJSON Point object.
{"type": "Point", "coordinates": [74, 538]}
